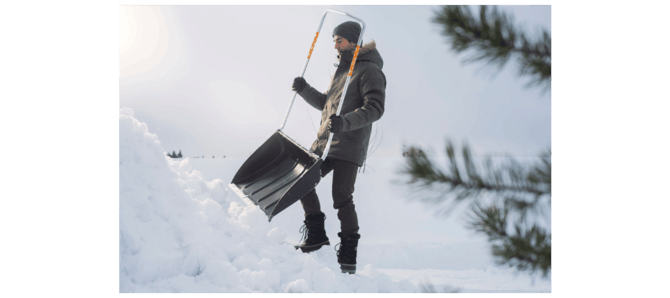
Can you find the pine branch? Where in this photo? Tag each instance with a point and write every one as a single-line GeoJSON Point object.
{"type": "Point", "coordinates": [517, 192]}
{"type": "Point", "coordinates": [494, 38]}
{"type": "Point", "coordinates": [490, 220]}
{"type": "Point", "coordinates": [526, 249]}
{"type": "Point", "coordinates": [511, 178]}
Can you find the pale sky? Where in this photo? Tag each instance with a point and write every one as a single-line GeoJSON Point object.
{"type": "Point", "coordinates": [216, 80]}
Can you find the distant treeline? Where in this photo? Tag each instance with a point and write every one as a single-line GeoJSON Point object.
{"type": "Point", "coordinates": [178, 155]}
{"type": "Point", "coordinates": [174, 155]}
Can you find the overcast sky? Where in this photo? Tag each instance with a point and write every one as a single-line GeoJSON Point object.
{"type": "Point", "coordinates": [216, 80]}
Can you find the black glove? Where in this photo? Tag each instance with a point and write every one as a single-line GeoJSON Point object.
{"type": "Point", "coordinates": [298, 84]}
{"type": "Point", "coordinates": [335, 124]}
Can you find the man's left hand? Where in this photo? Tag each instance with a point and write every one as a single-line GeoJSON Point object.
{"type": "Point", "coordinates": [335, 124]}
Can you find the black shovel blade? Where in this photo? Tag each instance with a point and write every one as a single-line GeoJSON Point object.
{"type": "Point", "coordinates": [277, 175]}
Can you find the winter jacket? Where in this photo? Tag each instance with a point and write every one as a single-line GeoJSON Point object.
{"type": "Point", "coordinates": [363, 104]}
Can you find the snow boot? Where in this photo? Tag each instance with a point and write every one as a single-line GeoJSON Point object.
{"type": "Point", "coordinates": [314, 233]}
{"type": "Point", "coordinates": [346, 253]}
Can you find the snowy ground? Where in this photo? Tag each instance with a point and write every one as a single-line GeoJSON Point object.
{"type": "Point", "coordinates": [182, 230]}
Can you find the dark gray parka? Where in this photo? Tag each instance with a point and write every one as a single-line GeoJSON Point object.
{"type": "Point", "coordinates": [363, 104]}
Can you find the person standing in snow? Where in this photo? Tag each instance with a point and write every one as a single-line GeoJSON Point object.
{"type": "Point", "coordinates": [363, 105]}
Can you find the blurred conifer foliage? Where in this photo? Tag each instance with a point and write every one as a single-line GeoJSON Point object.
{"type": "Point", "coordinates": [492, 37]}
{"type": "Point", "coordinates": [510, 201]}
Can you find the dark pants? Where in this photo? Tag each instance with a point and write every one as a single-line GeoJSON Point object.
{"type": "Point", "coordinates": [344, 177]}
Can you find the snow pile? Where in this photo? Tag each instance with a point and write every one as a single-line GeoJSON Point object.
{"type": "Point", "coordinates": [180, 233]}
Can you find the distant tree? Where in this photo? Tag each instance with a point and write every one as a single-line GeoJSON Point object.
{"type": "Point", "coordinates": [179, 155]}
{"type": "Point", "coordinates": [508, 200]}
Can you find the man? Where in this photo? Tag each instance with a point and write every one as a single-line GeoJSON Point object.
{"type": "Point", "coordinates": [363, 104]}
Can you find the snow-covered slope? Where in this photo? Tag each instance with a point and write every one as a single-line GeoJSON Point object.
{"type": "Point", "coordinates": [180, 233]}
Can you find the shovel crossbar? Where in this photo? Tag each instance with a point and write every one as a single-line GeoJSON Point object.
{"type": "Point", "coordinates": [281, 171]}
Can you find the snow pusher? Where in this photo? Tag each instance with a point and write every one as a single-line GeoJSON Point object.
{"type": "Point", "coordinates": [281, 171]}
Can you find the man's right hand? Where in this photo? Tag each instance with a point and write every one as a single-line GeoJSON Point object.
{"type": "Point", "coordinates": [298, 84]}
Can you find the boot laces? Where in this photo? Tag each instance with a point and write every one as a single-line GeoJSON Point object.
{"type": "Point", "coordinates": [344, 250]}
{"type": "Point", "coordinates": [340, 252]}
{"type": "Point", "coordinates": [304, 230]}
{"type": "Point", "coordinates": [337, 248]}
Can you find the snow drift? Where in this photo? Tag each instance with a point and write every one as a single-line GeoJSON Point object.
{"type": "Point", "coordinates": [180, 233]}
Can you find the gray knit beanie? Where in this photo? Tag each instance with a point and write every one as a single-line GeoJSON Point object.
{"type": "Point", "coordinates": [349, 30]}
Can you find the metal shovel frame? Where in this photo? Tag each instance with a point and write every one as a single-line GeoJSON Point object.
{"type": "Point", "coordinates": [346, 84]}
{"type": "Point", "coordinates": [282, 171]}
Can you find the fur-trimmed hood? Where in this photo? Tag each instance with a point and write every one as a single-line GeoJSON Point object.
{"type": "Point", "coordinates": [368, 52]}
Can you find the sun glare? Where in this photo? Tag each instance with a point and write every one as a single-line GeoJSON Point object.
{"type": "Point", "coordinates": [143, 39]}
{"type": "Point", "coordinates": [124, 28]}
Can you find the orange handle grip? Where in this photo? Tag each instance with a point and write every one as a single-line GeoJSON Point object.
{"type": "Point", "coordinates": [313, 43]}
{"type": "Point", "coordinates": [353, 62]}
